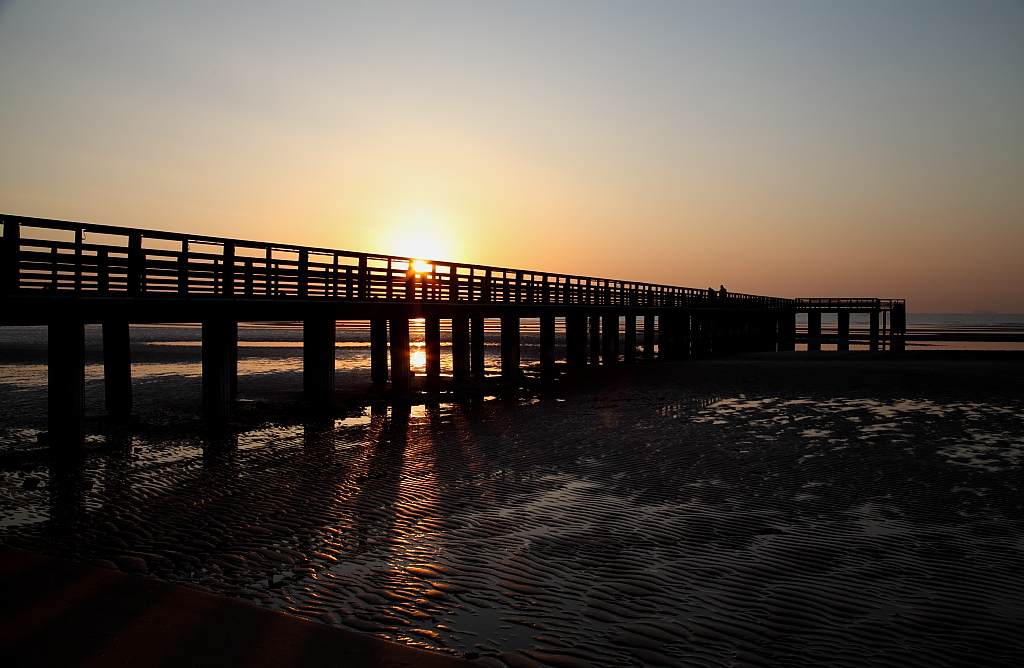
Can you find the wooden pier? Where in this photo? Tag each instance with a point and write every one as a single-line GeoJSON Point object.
{"type": "Point", "coordinates": [66, 275]}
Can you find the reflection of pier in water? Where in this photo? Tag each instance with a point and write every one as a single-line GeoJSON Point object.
{"type": "Point", "coordinates": [66, 275]}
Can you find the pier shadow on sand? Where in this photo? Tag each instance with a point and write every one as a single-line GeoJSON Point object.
{"type": "Point", "coordinates": [753, 511]}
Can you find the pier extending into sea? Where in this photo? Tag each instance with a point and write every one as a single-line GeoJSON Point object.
{"type": "Point", "coordinates": [66, 275]}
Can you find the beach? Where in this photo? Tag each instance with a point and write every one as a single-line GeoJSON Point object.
{"type": "Point", "coordinates": [764, 509]}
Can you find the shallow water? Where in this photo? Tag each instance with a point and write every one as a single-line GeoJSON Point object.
{"type": "Point", "coordinates": [638, 526]}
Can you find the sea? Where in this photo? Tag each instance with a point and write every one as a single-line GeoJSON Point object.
{"type": "Point", "coordinates": [270, 355]}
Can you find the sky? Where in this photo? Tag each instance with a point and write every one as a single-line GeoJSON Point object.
{"type": "Point", "coordinates": [845, 148]}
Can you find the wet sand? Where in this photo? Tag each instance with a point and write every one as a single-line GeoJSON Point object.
{"type": "Point", "coordinates": [799, 510]}
{"type": "Point", "coordinates": [61, 614]}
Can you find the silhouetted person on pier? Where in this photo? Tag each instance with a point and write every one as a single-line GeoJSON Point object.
{"type": "Point", "coordinates": [722, 292]}
{"type": "Point", "coordinates": [711, 293]}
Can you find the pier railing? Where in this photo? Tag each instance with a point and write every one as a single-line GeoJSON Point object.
{"type": "Point", "coordinates": [42, 256]}
{"type": "Point", "coordinates": [846, 303]}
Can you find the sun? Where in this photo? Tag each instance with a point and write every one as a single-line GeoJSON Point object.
{"type": "Point", "coordinates": [422, 267]}
{"type": "Point", "coordinates": [420, 245]}
{"type": "Point", "coordinates": [420, 234]}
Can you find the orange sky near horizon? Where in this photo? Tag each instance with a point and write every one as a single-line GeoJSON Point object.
{"type": "Point", "coordinates": [788, 148]}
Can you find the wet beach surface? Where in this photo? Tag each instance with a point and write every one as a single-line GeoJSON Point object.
{"type": "Point", "coordinates": [761, 510]}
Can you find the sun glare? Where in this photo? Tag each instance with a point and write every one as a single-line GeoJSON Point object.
{"type": "Point", "coordinates": [421, 267]}
{"type": "Point", "coordinates": [420, 234]}
{"type": "Point", "coordinates": [417, 244]}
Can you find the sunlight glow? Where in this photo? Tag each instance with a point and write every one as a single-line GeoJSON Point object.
{"type": "Point", "coordinates": [421, 267]}
{"type": "Point", "coordinates": [418, 360]}
{"type": "Point", "coordinates": [419, 232]}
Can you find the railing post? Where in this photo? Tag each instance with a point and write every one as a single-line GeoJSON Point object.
{"type": "Point", "coordinates": [79, 240]}
{"type": "Point", "coordinates": [302, 278]}
{"type": "Point", "coordinates": [250, 278]}
{"type": "Point", "coordinates": [364, 278]}
{"type": "Point", "coordinates": [485, 287]}
{"type": "Point", "coordinates": [183, 269]}
{"type": "Point", "coordinates": [455, 286]}
{"type": "Point", "coordinates": [10, 266]}
{"type": "Point", "coordinates": [228, 270]}
{"type": "Point", "coordinates": [389, 285]}
{"type": "Point", "coordinates": [102, 271]}
{"type": "Point", "coordinates": [271, 273]}
{"type": "Point", "coordinates": [410, 285]}
{"type": "Point", "coordinates": [135, 264]}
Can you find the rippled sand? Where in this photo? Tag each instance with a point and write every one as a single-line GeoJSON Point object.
{"type": "Point", "coordinates": [757, 511]}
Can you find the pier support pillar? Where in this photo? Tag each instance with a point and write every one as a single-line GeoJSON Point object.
{"type": "Point", "coordinates": [713, 339]}
{"type": "Point", "coordinates": [664, 337]}
{"type": "Point", "coordinates": [432, 347]}
{"type": "Point", "coordinates": [378, 351]}
{"type": "Point", "coordinates": [727, 333]}
{"type": "Point", "coordinates": [843, 330]}
{"type": "Point", "coordinates": [683, 334]}
{"type": "Point", "coordinates": [610, 338]}
{"type": "Point", "coordinates": [873, 333]}
{"type": "Point", "coordinates": [576, 339]}
{"type": "Point", "coordinates": [220, 369]}
{"type": "Point", "coordinates": [510, 346]}
{"type": "Point", "coordinates": [700, 333]}
{"type": "Point", "coordinates": [629, 342]}
{"type": "Point", "coordinates": [460, 348]}
{"type": "Point", "coordinates": [66, 383]}
{"type": "Point", "coordinates": [898, 328]}
{"type": "Point", "coordinates": [318, 358]}
{"type": "Point", "coordinates": [595, 339]}
{"type": "Point", "coordinates": [232, 333]}
{"type": "Point", "coordinates": [814, 330]}
{"type": "Point", "coordinates": [547, 346]}
{"type": "Point", "coordinates": [679, 335]}
{"type": "Point", "coordinates": [769, 332]}
{"type": "Point", "coordinates": [478, 340]}
{"type": "Point", "coordinates": [117, 370]}
{"type": "Point", "coordinates": [786, 331]}
{"type": "Point", "coordinates": [649, 331]}
{"type": "Point", "coordinates": [401, 373]}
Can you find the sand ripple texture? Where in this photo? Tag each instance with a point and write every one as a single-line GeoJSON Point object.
{"type": "Point", "coordinates": [616, 524]}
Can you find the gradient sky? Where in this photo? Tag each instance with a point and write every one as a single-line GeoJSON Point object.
{"type": "Point", "coordinates": [790, 148]}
